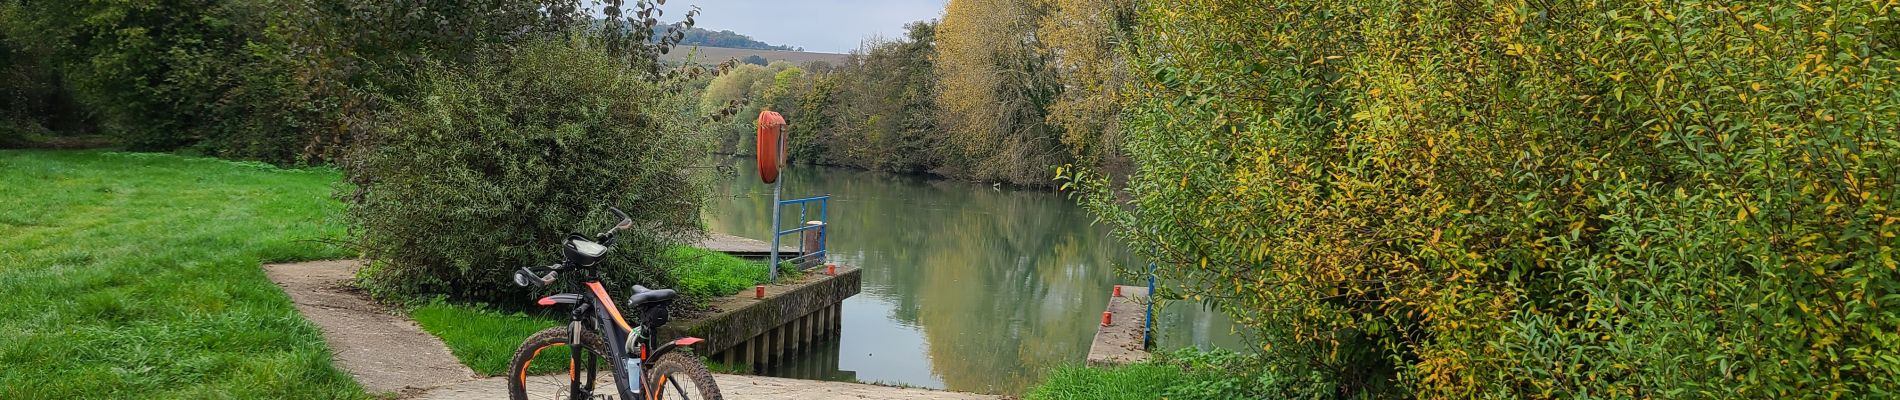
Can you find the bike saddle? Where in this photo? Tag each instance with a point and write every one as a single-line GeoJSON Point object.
{"type": "Point", "coordinates": [642, 295]}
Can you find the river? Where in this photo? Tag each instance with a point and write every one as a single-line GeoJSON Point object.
{"type": "Point", "coordinates": [967, 287]}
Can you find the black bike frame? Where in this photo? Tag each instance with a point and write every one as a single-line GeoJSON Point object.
{"type": "Point", "coordinates": [595, 310]}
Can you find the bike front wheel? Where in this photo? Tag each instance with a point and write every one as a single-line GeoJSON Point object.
{"type": "Point", "coordinates": [543, 369]}
{"type": "Point", "coordinates": [679, 376]}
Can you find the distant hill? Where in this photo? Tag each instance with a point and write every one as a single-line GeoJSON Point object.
{"type": "Point", "coordinates": [727, 39]}
{"type": "Point", "coordinates": [715, 55]}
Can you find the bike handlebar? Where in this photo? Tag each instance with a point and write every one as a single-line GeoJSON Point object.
{"type": "Point", "coordinates": [526, 276]}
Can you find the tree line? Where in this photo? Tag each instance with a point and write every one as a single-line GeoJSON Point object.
{"type": "Point", "coordinates": [997, 91]}
{"type": "Point", "coordinates": [721, 38]}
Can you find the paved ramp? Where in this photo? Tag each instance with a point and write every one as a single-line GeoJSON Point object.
{"type": "Point", "coordinates": [384, 350]}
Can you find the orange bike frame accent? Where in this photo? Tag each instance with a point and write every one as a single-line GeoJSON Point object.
{"type": "Point", "coordinates": [608, 303]}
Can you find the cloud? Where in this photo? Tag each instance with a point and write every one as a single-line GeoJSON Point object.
{"type": "Point", "coordinates": [831, 26]}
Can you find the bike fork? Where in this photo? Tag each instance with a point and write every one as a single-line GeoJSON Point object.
{"type": "Point", "coordinates": [574, 346]}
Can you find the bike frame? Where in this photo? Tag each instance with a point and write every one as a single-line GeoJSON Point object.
{"type": "Point", "coordinates": [594, 310]}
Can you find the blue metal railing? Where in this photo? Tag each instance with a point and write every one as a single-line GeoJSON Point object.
{"type": "Point", "coordinates": [1148, 323]}
{"type": "Point", "coordinates": [804, 206]}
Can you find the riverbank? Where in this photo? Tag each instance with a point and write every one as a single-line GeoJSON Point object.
{"type": "Point", "coordinates": [391, 355]}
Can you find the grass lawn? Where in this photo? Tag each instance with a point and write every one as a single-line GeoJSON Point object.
{"type": "Point", "coordinates": [137, 275]}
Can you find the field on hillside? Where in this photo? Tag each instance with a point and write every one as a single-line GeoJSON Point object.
{"type": "Point", "coordinates": [715, 55]}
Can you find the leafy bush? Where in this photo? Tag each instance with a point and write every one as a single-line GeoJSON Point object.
{"type": "Point", "coordinates": [1529, 200]}
{"type": "Point", "coordinates": [493, 163]}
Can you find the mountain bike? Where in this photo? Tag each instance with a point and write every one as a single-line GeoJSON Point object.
{"type": "Point", "coordinates": [638, 365]}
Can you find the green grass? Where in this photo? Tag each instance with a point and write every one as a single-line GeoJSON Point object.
{"type": "Point", "coordinates": [1139, 381]}
{"type": "Point", "coordinates": [1184, 374]}
{"type": "Point", "coordinates": [704, 274]}
{"type": "Point", "coordinates": [137, 275]}
{"type": "Point", "coordinates": [484, 339]}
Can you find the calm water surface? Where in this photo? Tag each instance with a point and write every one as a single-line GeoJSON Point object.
{"type": "Point", "coordinates": [966, 287]}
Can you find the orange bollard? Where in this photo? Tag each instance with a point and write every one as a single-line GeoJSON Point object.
{"type": "Point", "coordinates": [1106, 316]}
{"type": "Point", "coordinates": [1118, 290]}
{"type": "Point", "coordinates": [758, 292]}
{"type": "Point", "coordinates": [831, 269]}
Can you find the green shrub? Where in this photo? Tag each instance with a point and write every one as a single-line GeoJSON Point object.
{"type": "Point", "coordinates": [493, 163]}
{"type": "Point", "coordinates": [1529, 199]}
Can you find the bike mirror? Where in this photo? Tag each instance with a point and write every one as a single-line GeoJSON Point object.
{"type": "Point", "coordinates": [521, 278]}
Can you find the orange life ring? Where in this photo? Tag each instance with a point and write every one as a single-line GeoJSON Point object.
{"type": "Point", "coordinates": [769, 153]}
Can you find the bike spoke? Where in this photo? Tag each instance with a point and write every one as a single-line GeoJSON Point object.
{"type": "Point", "coordinates": [558, 385]}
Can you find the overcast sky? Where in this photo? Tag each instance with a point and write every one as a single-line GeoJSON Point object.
{"type": "Point", "coordinates": [829, 26]}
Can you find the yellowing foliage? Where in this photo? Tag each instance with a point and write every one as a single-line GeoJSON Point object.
{"type": "Point", "coordinates": [1528, 199]}
{"type": "Point", "coordinates": [993, 89]}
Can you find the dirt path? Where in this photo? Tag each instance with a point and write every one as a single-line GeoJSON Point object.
{"type": "Point", "coordinates": [383, 349]}
{"type": "Point", "coordinates": [388, 353]}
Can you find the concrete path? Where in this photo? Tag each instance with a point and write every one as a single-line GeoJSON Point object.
{"type": "Point", "coordinates": [385, 351]}
{"type": "Point", "coordinates": [1119, 341]}
{"type": "Point", "coordinates": [747, 247]}
{"type": "Point", "coordinates": [388, 353]}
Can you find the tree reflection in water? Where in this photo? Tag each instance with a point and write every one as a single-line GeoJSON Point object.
{"type": "Point", "coordinates": [966, 287]}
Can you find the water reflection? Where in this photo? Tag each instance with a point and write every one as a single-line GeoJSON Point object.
{"type": "Point", "coordinates": [966, 287]}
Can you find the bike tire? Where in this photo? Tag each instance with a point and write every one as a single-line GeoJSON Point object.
{"type": "Point", "coordinates": [518, 373]}
{"type": "Point", "coordinates": [667, 374]}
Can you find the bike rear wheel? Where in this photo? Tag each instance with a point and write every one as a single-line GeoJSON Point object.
{"type": "Point", "coordinates": [549, 348]}
{"type": "Point", "coordinates": [680, 376]}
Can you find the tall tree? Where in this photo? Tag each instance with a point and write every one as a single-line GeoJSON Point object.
{"type": "Point", "coordinates": [995, 91]}
{"type": "Point", "coordinates": [1082, 41]}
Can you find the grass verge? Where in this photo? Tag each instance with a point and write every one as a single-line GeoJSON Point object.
{"type": "Point", "coordinates": [1131, 382]}
{"type": "Point", "coordinates": [482, 338]}
{"type": "Point", "coordinates": [136, 275]}
{"type": "Point", "coordinates": [1187, 374]}
{"type": "Point", "coordinates": [705, 274]}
